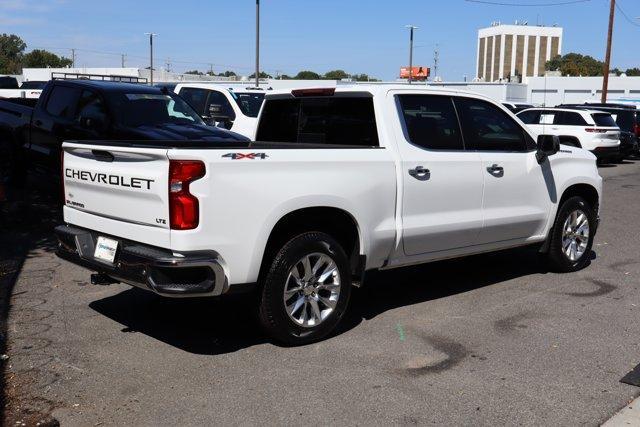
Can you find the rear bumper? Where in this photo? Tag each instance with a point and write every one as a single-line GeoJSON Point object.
{"type": "Point", "coordinates": [606, 152]}
{"type": "Point", "coordinates": [170, 274]}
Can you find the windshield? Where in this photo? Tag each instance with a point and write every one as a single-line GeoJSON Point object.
{"type": "Point", "coordinates": [144, 109]}
{"type": "Point", "coordinates": [33, 85]}
{"type": "Point", "coordinates": [249, 102]}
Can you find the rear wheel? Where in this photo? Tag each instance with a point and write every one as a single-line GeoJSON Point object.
{"type": "Point", "coordinates": [306, 291]}
{"type": "Point", "coordinates": [572, 235]}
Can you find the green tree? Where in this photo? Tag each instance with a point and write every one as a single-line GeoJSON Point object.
{"type": "Point", "coordinates": [575, 64]}
{"type": "Point", "coordinates": [11, 51]}
{"type": "Point", "coordinates": [194, 72]}
{"type": "Point", "coordinates": [228, 74]}
{"type": "Point", "coordinates": [633, 71]}
{"type": "Point", "coordinates": [336, 75]}
{"type": "Point", "coordinates": [364, 78]}
{"type": "Point", "coordinates": [263, 75]}
{"type": "Point", "coordinates": [307, 75]}
{"type": "Point", "coordinates": [39, 58]}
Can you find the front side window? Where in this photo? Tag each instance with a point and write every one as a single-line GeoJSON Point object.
{"type": "Point", "coordinates": [431, 122]}
{"type": "Point", "coordinates": [486, 127]}
{"type": "Point", "coordinates": [62, 102]}
{"type": "Point", "coordinates": [319, 120]}
{"type": "Point", "coordinates": [195, 97]}
{"type": "Point", "coordinates": [222, 105]}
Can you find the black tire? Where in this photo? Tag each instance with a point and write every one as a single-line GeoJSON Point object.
{"type": "Point", "coordinates": [558, 260]}
{"type": "Point", "coordinates": [272, 312]}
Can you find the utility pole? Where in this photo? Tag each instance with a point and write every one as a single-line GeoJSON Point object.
{"type": "Point", "coordinates": [73, 58]}
{"type": "Point", "coordinates": [151, 35]}
{"type": "Point", "coordinates": [257, 43]}
{"type": "Point", "coordinates": [436, 61]}
{"type": "Point", "coordinates": [411, 28]}
{"type": "Point", "coordinates": [607, 59]}
{"type": "Point", "coordinates": [122, 58]}
{"type": "Point", "coordinates": [168, 65]}
{"type": "Point", "coordinates": [211, 69]}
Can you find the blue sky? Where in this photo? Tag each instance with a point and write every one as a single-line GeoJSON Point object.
{"type": "Point", "coordinates": [355, 35]}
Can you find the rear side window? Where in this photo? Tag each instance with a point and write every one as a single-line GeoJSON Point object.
{"type": "Point", "coordinates": [91, 106]}
{"type": "Point", "coordinates": [321, 120]}
{"type": "Point", "coordinates": [603, 119]}
{"type": "Point", "coordinates": [195, 97]}
{"type": "Point", "coordinates": [62, 101]}
{"type": "Point", "coordinates": [431, 122]}
{"type": "Point", "coordinates": [568, 118]}
{"type": "Point", "coordinates": [531, 117]}
{"type": "Point", "coordinates": [486, 127]}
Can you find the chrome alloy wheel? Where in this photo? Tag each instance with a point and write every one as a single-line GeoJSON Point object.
{"type": "Point", "coordinates": [312, 289]}
{"type": "Point", "coordinates": [575, 235]}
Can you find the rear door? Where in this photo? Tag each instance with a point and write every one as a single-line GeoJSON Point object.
{"type": "Point", "coordinates": [119, 191]}
{"type": "Point", "coordinates": [442, 183]}
{"type": "Point", "coordinates": [517, 197]}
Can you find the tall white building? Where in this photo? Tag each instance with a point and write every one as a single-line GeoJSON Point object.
{"type": "Point", "coordinates": [506, 51]}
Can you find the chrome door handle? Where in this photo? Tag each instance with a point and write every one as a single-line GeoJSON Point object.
{"type": "Point", "coordinates": [495, 169]}
{"type": "Point", "coordinates": [420, 173]}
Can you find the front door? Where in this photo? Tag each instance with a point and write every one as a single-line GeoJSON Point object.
{"type": "Point", "coordinates": [517, 194]}
{"type": "Point", "coordinates": [442, 183]}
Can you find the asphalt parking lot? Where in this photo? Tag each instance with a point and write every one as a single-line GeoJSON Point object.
{"type": "Point", "coordinates": [491, 339]}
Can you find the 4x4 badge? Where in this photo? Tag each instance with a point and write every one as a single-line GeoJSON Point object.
{"type": "Point", "coordinates": [250, 156]}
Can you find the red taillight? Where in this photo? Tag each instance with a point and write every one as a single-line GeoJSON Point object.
{"type": "Point", "coordinates": [183, 206]}
{"type": "Point", "coordinates": [321, 91]}
{"type": "Point", "coordinates": [636, 130]}
{"type": "Point", "coordinates": [596, 130]}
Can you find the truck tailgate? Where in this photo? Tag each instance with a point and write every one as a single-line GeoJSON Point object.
{"type": "Point", "coordinates": [119, 191]}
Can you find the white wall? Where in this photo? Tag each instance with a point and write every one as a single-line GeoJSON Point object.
{"type": "Point", "coordinates": [507, 92]}
{"type": "Point", "coordinates": [551, 91]}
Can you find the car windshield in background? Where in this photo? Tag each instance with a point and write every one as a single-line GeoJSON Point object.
{"type": "Point", "coordinates": [141, 109]}
{"type": "Point", "coordinates": [33, 85]}
{"type": "Point", "coordinates": [249, 102]}
{"type": "Point", "coordinates": [603, 119]}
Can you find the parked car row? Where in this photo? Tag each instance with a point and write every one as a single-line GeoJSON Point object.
{"type": "Point", "coordinates": [97, 110]}
{"type": "Point", "coordinates": [609, 131]}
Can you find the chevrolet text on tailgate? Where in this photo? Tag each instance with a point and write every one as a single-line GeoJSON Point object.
{"type": "Point", "coordinates": [340, 182]}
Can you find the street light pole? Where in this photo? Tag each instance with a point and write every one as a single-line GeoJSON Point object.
{"type": "Point", "coordinates": [257, 43]}
{"type": "Point", "coordinates": [151, 35]}
{"type": "Point", "coordinates": [411, 28]}
{"type": "Point", "coordinates": [607, 59]}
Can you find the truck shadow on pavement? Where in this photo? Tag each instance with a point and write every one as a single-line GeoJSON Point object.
{"type": "Point", "coordinates": [205, 326]}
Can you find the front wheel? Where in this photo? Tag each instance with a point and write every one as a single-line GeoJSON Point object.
{"type": "Point", "coordinates": [306, 291]}
{"type": "Point", "coordinates": [572, 235]}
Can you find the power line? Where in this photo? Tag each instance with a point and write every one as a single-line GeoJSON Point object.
{"type": "Point", "coordinates": [499, 3]}
{"type": "Point", "coordinates": [629, 20]}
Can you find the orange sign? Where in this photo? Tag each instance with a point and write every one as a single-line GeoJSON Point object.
{"type": "Point", "coordinates": [417, 73]}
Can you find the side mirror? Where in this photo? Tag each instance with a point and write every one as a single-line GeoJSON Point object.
{"type": "Point", "coordinates": [217, 113]}
{"type": "Point", "coordinates": [548, 145]}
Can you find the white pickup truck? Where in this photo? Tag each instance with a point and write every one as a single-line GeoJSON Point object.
{"type": "Point", "coordinates": [230, 107]}
{"type": "Point", "coordinates": [342, 181]}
